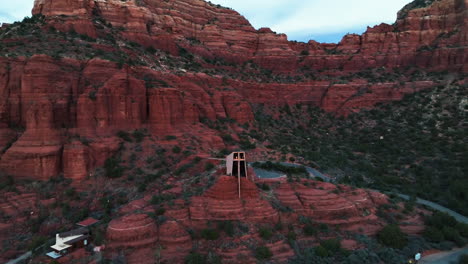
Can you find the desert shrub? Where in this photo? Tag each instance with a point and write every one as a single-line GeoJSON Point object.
{"type": "Point", "coordinates": [176, 149]}
{"type": "Point", "coordinates": [452, 234]}
{"type": "Point", "coordinates": [195, 258]}
{"type": "Point", "coordinates": [160, 211]}
{"type": "Point", "coordinates": [92, 95]}
{"type": "Point", "coordinates": [433, 234]}
{"type": "Point", "coordinates": [157, 199]}
{"type": "Point", "coordinates": [98, 237]}
{"type": "Point", "coordinates": [36, 242]}
{"type": "Point", "coordinates": [463, 259]}
{"type": "Point", "coordinates": [441, 226]}
{"type": "Point", "coordinates": [463, 229]}
{"type": "Point", "coordinates": [124, 135]}
{"type": "Point", "coordinates": [309, 230]}
{"type": "Point", "coordinates": [138, 135]}
{"type": "Point", "coordinates": [209, 166]}
{"type": "Point", "coordinates": [227, 227]}
{"type": "Point", "coordinates": [263, 252]}
{"type": "Point", "coordinates": [265, 233]}
{"type": "Point", "coordinates": [440, 220]}
{"type": "Point", "coordinates": [209, 234]}
{"type": "Point", "coordinates": [291, 236]}
{"type": "Point", "coordinates": [324, 227]}
{"type": "Point", "coordinates": [321, 251]}
{"type": "Point", "coordinates": [332, 245]}
{"type": "Point", "coordinates": [265, 187]}
{"type": "Point", "coordinates": [6, 181]}
{"type": "Point", "coordinates": [246, 144]}
{"type": "Point", "coordinates": [391, 236]}
{"type": "Point", "coordinates": [113, 168]}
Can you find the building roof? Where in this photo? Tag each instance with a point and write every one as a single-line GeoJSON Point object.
{"type": "Point", "coordinates": [75, 232]}
{"type": "Point", "coordinates": [87, 222]}
{"type": "Point", "coordinates": [54, 255]}
{"type": "Point", "coordinates": [77, 239]}
{"type": "Point", "coordinates": [67, 242]}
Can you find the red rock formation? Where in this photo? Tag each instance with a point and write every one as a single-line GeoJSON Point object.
{"type": "Point", "coordinates": [132, 231]}
{"type": "Point", "coordinates": [175, 241]}
{"type": "Point", "coordinates": [222, 202]}
{"type": "Point", "coordinates": [350, 209]}
{"type": "Point", "coordinates": [75, 161]}
{"type": "Point", "coordinates": [169, 108]}
{"type": "Point", "coordinates": [224, 33]}
{"type": "Point", "coordinates": [13, 204]}
{"type": "Point", "coordinates": [96, 98]}
{"type": "Point", "coordinates": [37, 152]}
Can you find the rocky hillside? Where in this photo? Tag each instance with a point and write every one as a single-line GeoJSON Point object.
{"type": "Point", "coordinates": [87, 69]}
{"type": "Point", "coordinates": [120, 110]}
{"type": "Point", "coordinates": [415, 146]}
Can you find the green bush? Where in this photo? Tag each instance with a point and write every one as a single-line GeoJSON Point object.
{"type": "Point", "coordinates": [463, 259]}
{"type": "Point", "coordinates": [263, 252]}
{"type": "Point", "coordinates": [440, 219]}
{"type": "Point", "coordinates": [433, 234]}
{"type": "Point", "coordinates": [138, 135]}
{"type": "Point", "coordinates": [209, 234]}
{"type": "Point", "coordinates": [124, 135]}
{"type": "Point", "coordinates": [391, 236]}
{"type": "Point", "coordinates": [291, 236]}
{"type": "Point", "coordinates": [195, 258]}
{"type": "Point", "coordinates": [227, 227]}
{"type": "Point", "coordinates": [36, 242]}
{"type": "Point", "coordinates": [265, 187]}
{"type": "Point", "coordinates": [332, 245]}
{"type": "Point", "coordinates": [176, 149]}
{"type": "Point", "coordinates": [209, 166]}
{"type": "Point", "coordinates": [92, 95]}
{"type": "Point", "coordinates": [309, 230]}
{"type": "Point", "coordinates": [462, 229]}
{"type": "Point", "coordinates": [113, 168]}
{"type": "Point", "coordinates": [265, 233]}
{"type": "Point", "coordinates": [321, 251]}
{"type": "Point", "coordinates": [452, 234]}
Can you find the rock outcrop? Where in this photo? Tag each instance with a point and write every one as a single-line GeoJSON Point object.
{"type": "Point", "coordinates": [350, 209]}
{"type": "Point", "coordinates": [132, 231]}
{"type": "Point", "coordinates": [222, 202]}
{"type": "Point", "coordinates": [37, 152]}
{"type": "Point", "coordinates": [55, 99]}
{"type": "Point", "coordinates": [224, 33]}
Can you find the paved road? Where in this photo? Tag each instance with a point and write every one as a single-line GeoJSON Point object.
{"type": "Point", "coordinates": [438, 207]}
{"type": "Point", "coordinates": [446, 257]}
{"type": "Point", "coordinates": [312, 172]}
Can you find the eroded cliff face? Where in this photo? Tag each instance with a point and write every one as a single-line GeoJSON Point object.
{"type": "Point", "coordinates": [50, 104]}
{"type": "Point", "coordinates": [432, 37]}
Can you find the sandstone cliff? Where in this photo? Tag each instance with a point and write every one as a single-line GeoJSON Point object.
{"type": "Point", "coordinates": [197, 63]}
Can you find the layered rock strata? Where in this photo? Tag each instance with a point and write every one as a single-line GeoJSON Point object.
{"type": "Point", "coordinates": [222, 202]}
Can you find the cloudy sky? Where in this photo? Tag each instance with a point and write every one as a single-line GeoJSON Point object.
{"type": "Point", "coordinates": [321, 20]}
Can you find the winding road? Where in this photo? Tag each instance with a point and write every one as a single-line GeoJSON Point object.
{"type": "Point", "coordinates": [445, 257]}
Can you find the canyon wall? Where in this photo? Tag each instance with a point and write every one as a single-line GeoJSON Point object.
{"type": "Point", "coordinates": [54, 109]}
{"type": "Point", "coordinates": [432, 37]}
